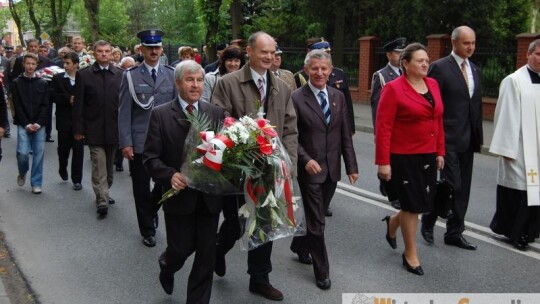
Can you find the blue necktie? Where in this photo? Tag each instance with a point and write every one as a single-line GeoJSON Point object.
{"type": "Point", "coordinates": [324, 106]}
{"type": "Point", "coordinates": [154, 74]}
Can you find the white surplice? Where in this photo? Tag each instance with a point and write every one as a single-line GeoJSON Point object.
{"type": "Point", "coordinates": [516, 134]}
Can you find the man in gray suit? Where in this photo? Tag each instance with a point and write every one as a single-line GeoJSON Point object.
{"type": "Point", "coordinates": [324, 135]}
{"type": "Point", "coordinates": [143, 87]}
{"type": "Point", "coordinates": [460, 82]}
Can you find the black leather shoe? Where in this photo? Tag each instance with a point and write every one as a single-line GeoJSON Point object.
{"type": "Point", "coordinates": [49, 139]}
{"type": "Point", "coordinates": [266, 290]}
{"type": "Point", "coordinates": [63, 174]}
{"type": "Point", "coordinates": [220, 267]}
{"type": "Point", "coordinates": [416, 270]}
{"type": "Point", "coordinates": [77, 186]}
{"type": "Point", "coordinates": [119, 168]}
{"type": "Point", "coordinates": [521, 244]}
{"type": "Point", "coordinates": [305, 259]}
{"type": "Point", "coordinates": [324, 284]}
{"type": "Point", "coordinates": [427, 234]}
{"type": "Point", "coordinates": [459, 241]}
{"type": "Point", "coordinates": [102, 210]}
{"type": "Point", "coordinates": [167, 282]}
{"type": "Point", "coordinates": [111, 201]}
{"type": "Point", "coordinates": [391, 241]}
{"type": "Point", "coordinates": [328, 212]}
{"type": "Point", "coordinates": [149, 241]}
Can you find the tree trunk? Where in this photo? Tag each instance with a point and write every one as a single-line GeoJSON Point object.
{"type": "Point", "coordinates": [92, 7]}
{"type": "Point", "coordinates": [32, 15]}
{"type": "Point", "coordinates": [16, 19]}
{"type": "Point", "coordinates": [211, 15]}
{"type": "Point", "coordinates": [236, 19]}
{"type": "Point", "coordinates": [59, 12]}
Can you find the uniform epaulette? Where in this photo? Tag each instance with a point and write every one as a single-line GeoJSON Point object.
{"type": "Point", "coordinates": [168, 67]}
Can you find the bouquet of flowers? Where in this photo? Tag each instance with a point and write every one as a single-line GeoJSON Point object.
{"type": "Point", "coordinates": [245, 157]}
{"type": "Point", "coordinates": [85, 61]}
{"type": "Point", "coordinates": [48, 72]}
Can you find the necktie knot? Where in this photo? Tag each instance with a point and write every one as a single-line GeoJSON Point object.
{"type": "Point", "coordinates": [154, 76]}
{"type": "Point", "coordinates": [190, 108]}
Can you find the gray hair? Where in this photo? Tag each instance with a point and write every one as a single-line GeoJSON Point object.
{"type": "Point", "coordinates": [127, 60]}
{"type": "Point", "coordinates": [533, 45]}
{"type": "Point", "coordinates": [317, 54]}
{"type": "Point", "coordinates": [187, 66]}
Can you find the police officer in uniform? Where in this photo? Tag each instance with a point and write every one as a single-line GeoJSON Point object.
{"type": "Point", "coordinates": [380, 78]}
{"type": "Point", "coordinates": [336, 80]}
{"type": "Point", "coordinates": [143, 87]}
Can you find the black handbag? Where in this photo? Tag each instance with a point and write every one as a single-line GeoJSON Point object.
{"type": "Point", "coordinates": [444, 199]}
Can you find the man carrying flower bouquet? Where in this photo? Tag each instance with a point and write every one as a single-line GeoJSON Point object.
{"type": "Point", "coordinates": [249, 91]}
{"type": "Point", "coordinates": [191, 216]}
{"type": "Point", "coordinates": [324, 134]}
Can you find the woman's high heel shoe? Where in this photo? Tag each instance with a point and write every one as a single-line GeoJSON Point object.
{"type": "Point", "coordinates": [416, 270]}
{"type": "Point", "coordinates": [391, 241]}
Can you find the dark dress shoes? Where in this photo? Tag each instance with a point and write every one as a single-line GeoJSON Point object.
{"type": "Point", "coordinates": [416, 270]}
{"type": "Point", "coordinates": [149, 241]}
{"type": "Point", "coordinates": [303, 257]}
{"type": "Point", "coordinates": [391, 241]}
{"type": "Point", "coordinates": [521, 244]}
{"type": "Point", "coordinates": [427, 234]}
{"type": "Point", "coordinates": [219, 266]}
{"type": "Point", "coordinates": [102, 210]}
{"type": "Point", "coordinates": [49, 139]}
{"type": "Point", "coordinates": [167, 282]}
{"type": "Point", "coordinates": [324, 284]}
{"type": "Point", "coordinates": [111, 201]}
{"type": "Point", "coordinates": [63, 174]}
{"type": "Point", "coordinates": [328, 212]}
{"type": "Point", "coordinates": [459, 241]}
{"type": "Point", "coordinates": [77, 186]}
{"type": "Point", "coordinates": [266, 290]}
{"type": "Point", "coordinates": [119, 168]}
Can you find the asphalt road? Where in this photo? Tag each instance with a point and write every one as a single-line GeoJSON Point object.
{"type": "Point", "coordinates": [68, 255]}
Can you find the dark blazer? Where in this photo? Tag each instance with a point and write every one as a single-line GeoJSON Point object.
{"type": "Point", "coordinates": [388, 75]}
{"type": "Point", "coordinates": [407, 123]}
{"type": "Point", "coordinates": [62, 92]}
{"type": "Point", "coordinates": [319, 141]}
{"type": "Point", "coordinates": [462, 113]}
{"type": "Point", "coordinates": [3, 111]}
{"type": "Point", "coordinates": [336, 80]}
{"type": "Point", "coordinates": [162, 156]}
{"type": "Point", "coordinates": [95, 112]}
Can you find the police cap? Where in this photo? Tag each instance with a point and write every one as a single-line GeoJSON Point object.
{"type": "Point", "coordinates": [395, 45]}
{"type": "Point", "coordinates": [150, 37]}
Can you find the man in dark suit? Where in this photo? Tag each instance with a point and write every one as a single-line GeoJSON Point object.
{"type": "Point", "coordinates": [64, 96]}
{"type": "Point", "coordinates": [461, 90]}
{"type": "Point", "coordinates": [191, 217]}
{"type": "Point", "coordinates": [51, 52]}
{"type": "Point", "coordinates": [336, 80]}
{"type": "Point", "coordinates": [143, 87]}
{"type": "Point", "coordinates": [323, 135]}
{"type": "Point", "coordinates": [380, 78]}
{"type": "Point", "coordinates": [95, 119]}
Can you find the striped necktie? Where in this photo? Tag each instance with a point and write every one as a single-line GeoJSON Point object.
{"type": "Point", "coordinates": [260, 85]}
{"type": "Point", "coordinates": [324, 106]}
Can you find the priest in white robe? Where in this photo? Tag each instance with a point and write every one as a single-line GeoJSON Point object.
{"type": "Point", "coordinates": [516, 139]}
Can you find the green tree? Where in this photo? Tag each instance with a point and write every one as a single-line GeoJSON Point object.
{"type": "Point", "coordinates": [59, 10]}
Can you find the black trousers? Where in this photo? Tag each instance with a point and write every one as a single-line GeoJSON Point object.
{"type": "Point", "coordinates": [48, 124]}
{"type": "Point", "coordinates": [457, 171]}
{"type": "Point", "coordinates": [259, 263]}
{"type": "Point", "coordinates": [187, 234]}
{"type": "Point", "coordinates": [66, 144]}
{"type": "Point", "coordinates": [316, 199]}
{"type": "Point", "coordinates": [146, 200]}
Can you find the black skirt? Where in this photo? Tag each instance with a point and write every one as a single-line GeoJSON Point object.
{"type": "Point", "coordinates": [513, 217]}
{"type": "Point", "coordinates": [414, 178]}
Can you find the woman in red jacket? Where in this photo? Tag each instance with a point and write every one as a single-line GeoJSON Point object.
{"type": "Point", "coordinates": [410, 146]}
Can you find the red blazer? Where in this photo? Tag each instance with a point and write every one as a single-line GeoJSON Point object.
{"type": "Point", "coordinates": [406, 123]}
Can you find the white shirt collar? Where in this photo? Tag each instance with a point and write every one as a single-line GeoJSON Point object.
{"type": "Point", "coordinates": [458, 59]}
{"type": "Point", "coordinates": [256, 76]}
{"type": "Point", "coordinates": [149, 67]}
{"type": "Point", "coordinates": [184, 104]}
{"type": "Point", "coordinates": [316, 91]}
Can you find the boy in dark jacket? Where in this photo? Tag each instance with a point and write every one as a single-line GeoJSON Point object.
{"type": "Point", "coordinates": [31, 101]}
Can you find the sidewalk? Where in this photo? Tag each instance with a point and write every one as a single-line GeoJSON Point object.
{"type": "Point", "coordinates": [363, 123]}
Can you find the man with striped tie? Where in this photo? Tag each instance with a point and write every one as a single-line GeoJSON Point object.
{"type": "Point", "coordinates": [324, 134]}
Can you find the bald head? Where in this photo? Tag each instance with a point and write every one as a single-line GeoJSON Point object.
{"type": "Point", "coordinates": [463, 41]}
{"type": "Point", "coordinates": [261, 51]}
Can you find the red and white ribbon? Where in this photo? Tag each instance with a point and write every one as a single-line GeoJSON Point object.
{"type": "Point", "coordinates": [213, 147]}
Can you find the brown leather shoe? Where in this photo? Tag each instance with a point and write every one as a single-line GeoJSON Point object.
{"type": "Point", "coordinates": [267, 291]}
